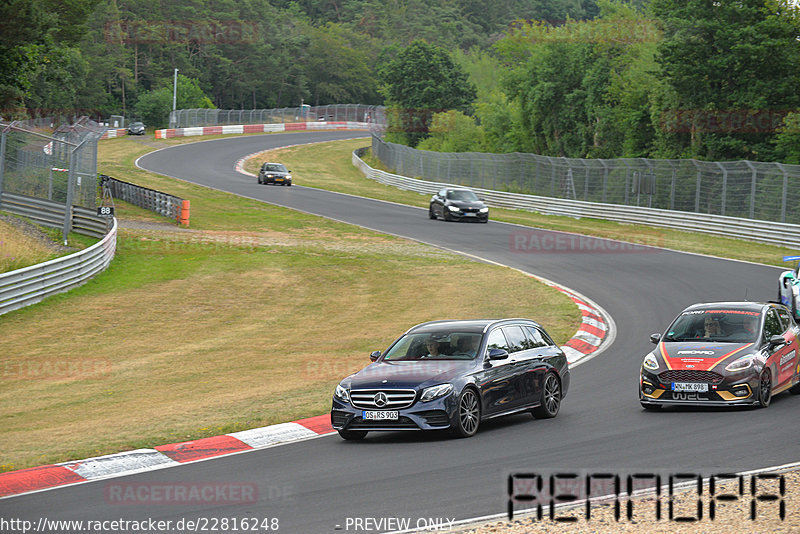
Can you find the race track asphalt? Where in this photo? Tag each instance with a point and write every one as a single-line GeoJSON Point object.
{"type": "Point", "coordinates": [314, 486]}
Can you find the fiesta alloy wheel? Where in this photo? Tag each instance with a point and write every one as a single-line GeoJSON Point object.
{"type": "Point", "coordinates": [551, 398]}
{"type": "Point", "coordinates": [765, 389]}
{"type": "Point", "coordinates": [469, 414]}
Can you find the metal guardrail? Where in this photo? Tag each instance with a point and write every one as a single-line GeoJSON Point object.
{"type": "Point", "coordinates": [51, 214]}
{"type": "Point", "coordinates": [164, 204]}
{"type": "Point", "coordinates": [766, 191]}
{"type": "Point", "coordinates": [787, 235]}
{"type": "Point", "coordinates": [30, 285]}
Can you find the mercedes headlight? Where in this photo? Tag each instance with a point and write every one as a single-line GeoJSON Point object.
{"type": "Point", "coordinates": [650, 363]}
{"type": "Point", "coordinates": [484, 210]}
{"type": "Point", "coordinates": [434, 392]}
{"type": "Point", "coordinates": [745, 362]}
{"type": "Point", "coordinates": [453, 208]}
{"type": "Point", "coordinates": [342, 393]}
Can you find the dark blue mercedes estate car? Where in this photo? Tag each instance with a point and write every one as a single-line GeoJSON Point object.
{"type": "Point", "coordinates": [451, 375]}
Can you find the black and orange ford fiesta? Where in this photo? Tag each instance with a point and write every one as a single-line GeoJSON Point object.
{"type": "Point", "coordinates": [723, 354]}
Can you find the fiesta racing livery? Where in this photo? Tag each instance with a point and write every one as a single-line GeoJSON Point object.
{"type": "Point", "coordinates": [722, 354]}
{"type": "Point", "coordinates": [789, 287]}
{"type": "Point", "coordinates": [451, 375]}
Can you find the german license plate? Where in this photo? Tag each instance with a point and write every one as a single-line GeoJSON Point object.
{"type": "Point", "coordinates": [690, 386]}
{"type": "Point", "coordinates": [382, 415]}
{"type": "Point", "coordinates": [278, 179]}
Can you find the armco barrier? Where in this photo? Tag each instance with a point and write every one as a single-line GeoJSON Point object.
{"type": "Point", "coordinates": [787, 235]}
{"type": "Point", "coordinates": [259, 128]}
{"type": "Point", "coordinates": [164, 204]}
{"type": "Point", "coordinates": [30, 285]}
{"type": "Point", "coordinates": [51, 214]}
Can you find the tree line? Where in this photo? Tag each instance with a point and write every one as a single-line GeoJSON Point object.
{"type": "Point", "coordinates": [707, 79]}
{"type": "Point", "coordinates": [672, 79]}
{"type": "Point", "coordinates": [119, 56]}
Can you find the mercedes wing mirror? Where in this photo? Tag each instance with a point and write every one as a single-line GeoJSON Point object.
{"type": "Point", "coordinates": [498, 354]}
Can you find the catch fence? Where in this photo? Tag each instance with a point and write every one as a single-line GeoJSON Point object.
{"type": "Point", "coordinates": [59, 166]}
{"type": "Point", "coordinates": [744, 189]}
{"type": "Point", "coordinates": [189, 118]}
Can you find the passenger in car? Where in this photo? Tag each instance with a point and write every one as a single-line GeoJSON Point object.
{"type": "Point", "coordinates": [433, 349]}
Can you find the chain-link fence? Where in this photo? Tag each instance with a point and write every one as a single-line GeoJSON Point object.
{"type": "Point", "coordinates": [746, 189]}
{"type": "Point", "coordinates": [189, 118]}
{"type": "Point", "coordinates": [60, 166]}
{"type": "Point", "coordinates": [42, 165]}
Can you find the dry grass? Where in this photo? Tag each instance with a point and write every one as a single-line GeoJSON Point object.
{"type": "Point", "coordinates": [222, 331]}
{"type": "Point", "coordinates": [18, 250]}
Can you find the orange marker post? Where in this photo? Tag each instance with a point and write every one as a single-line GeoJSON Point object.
{"type": "Point", "coordinates": [183, 217]}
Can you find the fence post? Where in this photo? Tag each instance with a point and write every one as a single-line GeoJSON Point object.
{"type": "Point", "coordinates": [70, 194]}
{"type": "Point", "coordinates": [627, 180]}
{"type": "Point", "coordinates": [724, 186]}
{"type": "Point", "coordinates": [3, 137]}
{"type": "Point", "coordinates": [672, 187]}
{"type": "Point", "coordinates": [752, 190]}
{"type": "Point", "coordinates": [785, 191]}
{"type": "Point", "coordinates": [605, 179]}
{"type": "Point", "coordinates": [586, 181]}
{"type": "Point", "coordinates": [697, 187]}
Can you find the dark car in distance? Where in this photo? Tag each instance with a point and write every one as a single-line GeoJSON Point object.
{"type": "Point", "coordinates": [723, 354]}
{"type": "Point", "coordinates": [452, 375]}
{"type": "Point", "coordinates": [136, 128]}
{"type": "Point", "coordinates": [274, 173]}
{"type": "Point", "coordinates": [458, 204]}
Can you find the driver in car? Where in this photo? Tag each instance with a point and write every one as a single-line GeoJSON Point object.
{"type": "Point", "coordinates": [712, 327]}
